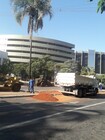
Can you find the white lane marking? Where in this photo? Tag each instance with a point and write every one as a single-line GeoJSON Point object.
{"type": "Point", "coordinates": [48, 116]}
{"type": "Point", "coordinates": [63, 103]}
{"type": "Point", "coordinates": [75, 102]}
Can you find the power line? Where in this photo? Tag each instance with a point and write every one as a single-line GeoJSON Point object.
{"type": "Point", "coordinates": [92, 9]}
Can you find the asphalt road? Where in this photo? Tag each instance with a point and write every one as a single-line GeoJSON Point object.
{"type": "Point", "coordinates": [27, 119]}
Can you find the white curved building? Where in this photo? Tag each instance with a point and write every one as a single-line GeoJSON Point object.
{"type": "Point", "coordinates": [3, 56]}
{"type": "Point", "coordinates": [18, 48]}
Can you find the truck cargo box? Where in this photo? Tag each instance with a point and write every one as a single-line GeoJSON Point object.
{"type": "Point", "coordinates": [70, 79]}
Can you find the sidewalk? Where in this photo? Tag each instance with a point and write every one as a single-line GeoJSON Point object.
{"type": "Point", "coordinates": [9, 94]}
{"type": "Point", "coordinates": [24, 92]}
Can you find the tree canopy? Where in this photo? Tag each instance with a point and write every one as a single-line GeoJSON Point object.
{"type": "Point", "coordinates": [87, 71]}
{"type": "Point", "coordinates": [101, 6]}
{"type": "Point", "coordinates": [40, 66]}
{"type": "Point", "coordinates": [35, 10]}
{"type": "Point", "coordinates": [6, 67]}
{"type": "Point", "coordinates": [70, 66]}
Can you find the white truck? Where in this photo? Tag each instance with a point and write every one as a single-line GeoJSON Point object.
{"type": "Point", "coordinates": [78, 85]}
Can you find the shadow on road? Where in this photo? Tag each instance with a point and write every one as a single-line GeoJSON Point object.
{"type": "Point", "coordinates": [42, 127]}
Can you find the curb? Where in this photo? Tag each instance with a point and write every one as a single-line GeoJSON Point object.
{"type": "Point", "coordinates": [22, 93]}
{"type": "Point", "coordinates": [15, 94]}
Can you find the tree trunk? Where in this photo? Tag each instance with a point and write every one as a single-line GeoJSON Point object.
{"type": "Point", "coordinates": [30, 71]}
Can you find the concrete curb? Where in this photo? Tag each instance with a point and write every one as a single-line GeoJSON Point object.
{"type": "Point", "coordinates": [15, 94]}
{"type": "Point", "coordinates": [24, 92]}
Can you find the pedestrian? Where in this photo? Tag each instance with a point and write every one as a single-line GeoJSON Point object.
{"type": "Point", "coordinates": [100, 86]}
{"type": "Point", "coordinates": [31, 85]}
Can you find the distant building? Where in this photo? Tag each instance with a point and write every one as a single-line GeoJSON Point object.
{"type": "Point", "coordinates": [18, 48]}
{"type": "Point", "coordinates": [92, 59]}
{"type": "Point", "coordinates": [3, 56]}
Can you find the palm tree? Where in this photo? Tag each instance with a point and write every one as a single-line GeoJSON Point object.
{"type": "Point", "coordinates": [101, 6]}
{"type": "Point", "coordinates": [35, 10]}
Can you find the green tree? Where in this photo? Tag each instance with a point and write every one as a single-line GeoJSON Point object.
{"type": "Point", "coordinates": [6, 67]}
{"type": "Point", "coordinates": [70, 66]}
{"type": "Point", "coordinates": [84, 71]}
{"type": "Point", "coordinates": [101, 78]}
{"type": "Point", "coordinates": [20, 69]}
{"type": "Point", "coordinates": [87, 71]}
{"type": "Point", "coordinates": [101, 6]}
{"type": "Point", "coordinates": [40, 66]}
{"type": "Point", "coordinates": [35, 10]}
{"type": "Point", "coordinates": [43, 66]}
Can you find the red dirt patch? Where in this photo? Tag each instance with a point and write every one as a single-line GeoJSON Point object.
{"type": "Point", "coordinates": [57, 96]}
{"type": "Point", "coordinates": [53, 96]}
{"type": "Point", "coordinates": [47, 96]}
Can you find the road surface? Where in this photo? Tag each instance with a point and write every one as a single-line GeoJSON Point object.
{"type": "Point", "coordinates": [27, 119]}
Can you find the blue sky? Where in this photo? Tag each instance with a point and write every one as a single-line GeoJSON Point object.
{"type": "Point", "coordinates": [73, 21]}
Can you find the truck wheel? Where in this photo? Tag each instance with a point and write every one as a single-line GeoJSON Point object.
{"type": "Point", "coordinates": [16, 87]}
{"type": "Point", "coordinates": [80, 93]}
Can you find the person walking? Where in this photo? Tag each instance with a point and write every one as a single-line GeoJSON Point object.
{"type": "Point", "coordinates": [31, 85]}
{"type": "Point", "coordinates": [100, 86]}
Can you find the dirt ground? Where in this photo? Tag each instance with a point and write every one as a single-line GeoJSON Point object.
{"type": "Point", "coordinates": [57, 96]}
{"type": "Point", "coordinates": [50, 96]}
{"type": "Point", "coordinates": [53, 96]}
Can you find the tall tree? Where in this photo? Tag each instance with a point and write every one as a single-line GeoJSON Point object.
{"type": "Point", "coordinates": [70, 66]}
{"type": "Point", "coordinates": [6, 67]}
{"type": "Point", "coordinates": [43, 66]}
{"type": "Point", "coordinates": [87, 71]}
{"type": "Point", "coordinates": [35, 10]}
{"type": "Point", "coordinates": [19, 69]}
{"type": "Point", "coordinates": [101, 6]}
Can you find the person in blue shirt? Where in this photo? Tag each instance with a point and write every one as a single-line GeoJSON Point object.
{"type": "Point", "coordinates": [31, 85]}
{"type": "Point", "coordinates": [100, 86]}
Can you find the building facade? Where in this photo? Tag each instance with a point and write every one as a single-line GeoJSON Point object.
{"type": "Point", "coordinates": [18, 48]}
{"type": "Point", "coordinates": [92, 59]}
{"type": "Point", "coordinates": [3, 56]}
